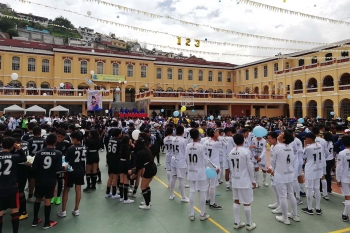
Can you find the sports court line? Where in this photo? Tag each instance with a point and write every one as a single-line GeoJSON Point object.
{"type": "Point", "coordinates": [341, 230]}
{"type": "Point", "coordinates": [198, 210]}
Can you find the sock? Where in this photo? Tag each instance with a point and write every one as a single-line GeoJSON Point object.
{"type": "Point", "coordinates": [227, 184]}
{"type": "Point", "coordinates": [168, 174]}
{"type": "Point", "coordinates": [192, 194]}
{"type": "Point", "coordinates": [15, 221]}
{"type": "Point", "coordinates": [284, 207]}
{"type": "Point", "coordinates": [172, 186]}
{"type": "Point", "coordinates": [126, 189]}
{"type": "Point", "coordinates": [36, 210]}
{"type": "Point", "coordinates": [114, 190]}
{"type": "Point", "coordinates": [293, 204]}
{"type": "Point", "coordinates": [324, 186]}
{"type": "Point", "coordinates": [296, 189]}
{"type": "Point", "coordinates": [318, 198]}
{"type": "Point", "coordinates": [203, 198]}
{"type": "Point", "coordinates": [212, 195]}
{"type": "Point", "coordinates": [22, 204]}
{"type": "Point", "coordinates": [264, 175]}
{"type": "Point", "coordinates": [150, 193]}
{"type": "Point", "coordinates": [121, 191]}
{"type": "Point", "coordinates": [182, 187]}
{"type": "Point", "coordinates": [257, 176]}
{"type": "Point", "coordinates": [88, 180]}
{"type": "Point", "coordinates": [93, 180]}
{"type": "Point", "coordinates": [346, 207]}
{"type": "Point", "coordinates": [248, 214]}
{"type": "Point", "coordinates": [144, 194]}
{"type": "Point", "coordinates": [301, 185]}
{"type": "Point", "coordinates": [236, 208]}
{"type": "Point", "coordinates": [98, 174]}
{"type": "Point", "coordinates": [148, 196]}
{"type": "Point", "coordinates": [135, 189]}
{"type": "Point", "coordinates": [47, 212]}
{"type": "Point", "coordinates": [309, 198]}
{"type": "Point", "coordinates": [276, 195]}
{"type": "Point", "coordinates": [59, 188]}
{"type": "Point", "coordinates": [0, 224]}
{"type": "Point", "coordinates": [108, 191]}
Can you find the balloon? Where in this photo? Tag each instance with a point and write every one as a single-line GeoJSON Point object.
{"type": "Point", "coordinates": [210, 172]}
{"type": "Point", "coordinates": [176, 113]}
{"type": "Point", "coordinates": [349, 118]}
{"type": "Point", "coordinates": [90, 81]}
{"type": "Point", "coordinates": [208, 118]}
{"type": "Point", "coordinates": [135, 134]}
{"type": "Point", "coordinates": [194, 86]}
{"type": "Point", "coordinates": [106, 111]}
{"type": "Point", "coordinates": [284, 0]}
{"type": "Point", "coordinates": [219, 117]}
{"type": "Point", "coordinates": [193, 111]}
{"type": "Point", "coordinates": [289, 97]}
{"type": "Point", "coordinates": [211, 117]}
{"type": "Point", "coordinates": [14, 76]}
{"type": "Point", "coordinates": [44, 94]}
{"type": "Point", "coordinates": [61, 84]}
{"type": "Point", "coordinates": [259, 131]}
{"type": "Point", "coordinates": [79, 94]}
{"type": "Point", "coordinates": [89, 13]}
{"type": "Point", "coordinates": [332, 113]}
{"type": "Point", "coordinates": [301, 120]}
{"type": "Point", "coordinates": [183, 108]}
{"type": "Point", "coordinates": [162, 110]}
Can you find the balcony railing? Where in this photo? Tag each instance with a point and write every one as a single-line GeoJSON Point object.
{"type": "Point", "coordinates": [299, 91]}
{"type": "Point", "coordinates": [311, 90]}
{"type": "Point", "coordinates": [344, 87]}
{"type": "Point", "coordinates": [330, 88]}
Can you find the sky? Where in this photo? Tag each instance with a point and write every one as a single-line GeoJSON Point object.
{"type": "Point", "coordinates": [225, 14]}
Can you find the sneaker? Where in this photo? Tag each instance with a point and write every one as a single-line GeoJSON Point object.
{"type": "Point", "coordinates": [132, 195]}
{"type": "Point", "coordinates": [130, 190]}
{"type": "Point", "coordinates": [207, 202]}
{"type": "Point", "coordinates": [87, 190]}
{"type": "Point", "coordinates": [307, 211]}
{"type": "Point", "coordinates": [191, 217]}
{"type": "Point", "coordinates": [283, 220]}
{"type": "Point", "coordinates": [145, 207]}
{"type": "Point", "coordinates": [58, 201]}
{"type": "Point", "coordinates": [204, 217]}
{"type": "Point", "coordinates": [277, 211]}
{"type": "Point", "coordinates": [238, 225]}
{"type": "Point", "coordinates": [158, 164]}
{"type": "Point", "coordinates": [121, 199]}
{"type": "Point", "coordinates": [220, 182]}
{"type": "Point", "coordinates": [187, 185]}
{"type": "Point", "coordinates": [228, 188]}
{"type": "Point", "coordinates": [299, 201]}
{"type": "Point", "coordinates": [62, 214]}
{"type": "Point", "coordinates": [265, 183]}
{"type": "Point", "coordinates": [23, 216]}
{"type": "Point", "coordinates": [53, 200]}
{"type": "Point", "coordinates": [75, 212]}
{"type": "Point", "coordinates": [116, 196]}
{"type": "Point", "coordinates": [31, 199]}
{"type": "Point", "coordinates": [326, 197]}
{"type": "Point", "coordinates": [294, 217]}
{"type": "Point", "coordinates": [250, 227]}
{"type": "Point", "coordinates": [36, 223]}
{"type": "Point", "coordinates": [51, 224]}
{"type": "Point", "coordinates": [108, 195]}
{"type": "Point", "coordinates": [302, 194]}
{"type": "Point", "coordinates": [172, 197]}
{"type": "Point", "coordinates": [345, 218]}
{"type": "Point", "coordinates": [273, 206]}
{"type": "Point", "coordinates": [128, 201]}
{"type": "Point", "coordinates": [144, 203]}
{"type": "Point", "coordinates": [257, 185]}
{"type": "Point", "coordinates": [330, 193]}
{"type": "Point", "coordinates": [185, 200]}
{"type": "Point", "coordinates": [215, 207]}
{"type": "Point", "coordinates": [318, 212]}
{"type": "Point", "coordinates": [93, 188]}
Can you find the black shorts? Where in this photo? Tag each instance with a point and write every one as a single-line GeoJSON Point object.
{"type": "Point", "coordinates": [92, 158]}
{"type": "Point", "coordinates": [43, 191]}
{"type": "Point", "coordinates": [123, 168]}
{"type": "Point", "coordinates": [9, 202]}
{"type": "Point", "coordinates": [31, 174]}
{"type": "Point", "coordinates": [113, 169]}
{"type": "Point", "coordinates": [150, 170]}
{"type": "Point", "coordinates": [60, 175]}
{"type": "Point", "coordinates": [70, 180]}
{"type": "Point", "coordinates": [22, 176]}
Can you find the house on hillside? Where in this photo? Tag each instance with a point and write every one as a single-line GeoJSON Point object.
{"type": "Point", "coordinates": [36, 19]}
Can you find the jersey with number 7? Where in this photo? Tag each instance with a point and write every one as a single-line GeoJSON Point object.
{"type": "Point", "coordinates": [76, 156]}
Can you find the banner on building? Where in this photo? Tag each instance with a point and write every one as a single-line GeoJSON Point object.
{"type": "Point", "coordinates": [94, 101]}
{"type": "Point", "coordinates": [108, 78]}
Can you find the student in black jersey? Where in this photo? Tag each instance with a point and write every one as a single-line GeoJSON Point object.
{"type": "Point", "coordinates": [29, 134]}
{"type": "Point", "coordinates": [145, 164]}
{"type": "Point", "coordinates": [75, 157]}
{"type": "Point", "coordinates": [47, 163]}
{"type": "Point", "coordinates": [92, 160]}
{"type": "Point", "coordinates": [124, 167]}
{"type": "Point", "coordinates": [9, 197]}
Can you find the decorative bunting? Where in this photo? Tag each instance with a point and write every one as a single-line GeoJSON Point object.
{"type": "Point", "coordinates": [284, 57]}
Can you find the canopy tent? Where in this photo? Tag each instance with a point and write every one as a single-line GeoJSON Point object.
{"type": "Point", "coordinates": [36, 108]}
{"type": "Point", "coordinates": [59, 108]}
{"type": "Point", "coordinates": [14, 108]}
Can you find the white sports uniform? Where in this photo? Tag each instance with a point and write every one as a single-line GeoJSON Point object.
{"type": "Point", "coordinates": [242, 174]}
{"type": "Point", "coordinates": [187, 135]}
{"type": "Point", "coordinates": [296, 157]}
{"type": "Point", "coordinates": [343, 171]}
{"type": "Point", "coordinates": [168, 143]}
{"type": "Point", "coordinates": [212, 152]}
{"type": "Point", "coordinates": [196, 161]}
{"type": "Point", "coordinates": [299, 152]}
{"type": "Point", "coordinates": [247, 142]}
{"type": "Point", "coordinates": [229, 146]}
{"type": "Point", "coordinates": [178, 162]}
{"type": "Point", "coordinates": [324, 148]}
{"type": "Point", "coordinates": [259, 151]}
{"type": "Point", "coordinates": [314, 166]}
{"type": "Point", "coordinates": [329, 151]}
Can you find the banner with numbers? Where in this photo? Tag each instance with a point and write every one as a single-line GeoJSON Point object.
{"type": "Point", "coordinates": [94, 100]}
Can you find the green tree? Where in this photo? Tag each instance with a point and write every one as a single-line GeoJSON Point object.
{"type": "Point", "coordinates": [6, 24]}
{"type": "Point", "coordinates": [63, 22]}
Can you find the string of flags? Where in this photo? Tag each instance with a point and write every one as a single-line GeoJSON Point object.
{"type": "Point", "coordinates": [185, 37]}
{"type": "Point", "coordinates": [284, 57]}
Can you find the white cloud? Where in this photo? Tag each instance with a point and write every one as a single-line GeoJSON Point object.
{"type": "Point", "coordinates": [226, 14]}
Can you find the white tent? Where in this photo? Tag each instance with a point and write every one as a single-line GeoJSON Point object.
{"type": "Point", "coordinates": [36, 108]}
{"type": "Point", "coordinates": [14, 108]}
{"type": "Point", "coordinates": [59, 108]}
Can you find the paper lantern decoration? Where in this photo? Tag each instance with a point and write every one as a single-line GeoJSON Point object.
{"type": "Point", "coordinates": [14, 76]}
{"type": "Point", "coordinates": [183, 108]}
{"type": "Point", "coordinates": [211, 117]}
{"type": "Point", "coordinates": [332, 113]}
{"type": "Point", "coordinates": [61, 84]}
{"type": "Point", "coordinates": [89, 13]}
{"type": "Point", "coordinates": [135, 134]}
{"type": "Point", "coordinates": [259, 131]}
{"type": "Point", "coordinates": [162, 110]}
{"type": "Point", "coordinates": [176, 113]}
{"type": "Point", "coordinates": [192, 110]}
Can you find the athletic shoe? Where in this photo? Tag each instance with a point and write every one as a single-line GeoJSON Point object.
{"type": "Point", "coordinates": [158, 164]}
{"type": "Point", "coordinates": [299, 201]}
{"type": "Point", "coordinates": [128, 201]}
{"type": "Point", "coordinates": [62, 214]}
{"type": "Point", "coordinates": [283, 220]}
{"type": "Point", "coordinates": [345, 218]}
{"type": "Point", "coordinates": [116, 196]}
{"type": "Point", "coordinates": [250, 227]}
{"type": "Point", "coordinates": [238, 225]}
{"type": "Point", "coordinates": [172, 197]}
{"type": "Point", "coordinates": [51, 224]}
{"type": "Point", "coordinates": [185, 200]}
{"type": "Point", "coordinates": [31, 199]}
{"type": "Point", "coordinates": [144, 203]}
{"type": "Point", "coordinates": [294, 217]}
{"type": "Point", "coordinates": [318, 212]}
{"type": "Point", "coordinates": [58, 201]}
{"type": "Point", "coordinates": [228, 188]}
{"type": "Point", "coordinates": [207, 202]}
{"type": "Point", "coordinates": [121, 199]}
{"type": "Point", "coordinates": [220, 182]}
{"type": "Point", "coordinates": [277, 211]}
{"type": "Point", "coordinates": [87, 190]}
{"type": "Point", "coordinates": [53, 200]}
{"type": "Point", "coordinates": [108, 195]}
{"type": "Point", "coordinates": [215, 207]}
{"type": "Point", "coordinates": [265, 183]}
{"type": "Point", "coordinates": [93, 188]}
{"type": "Point", "coordinates": [273, 206]}
{"type": "Point", "coordinates": [257, 185]}
{"type": "Point", "coordinates": [36, 223]}
{"type": "Point", "coordinates": [204, 217]}
{"type": "Point", "coordinates": [132, 195]}
{"type": "Point", "coordinates": [75, 212]}
{"type": "Point", "coordinates": [307, 211]}
{"type": "Point", "coordinates": [302, 194]}
{"type": "Point", "coordinates": [187, 185]}
{"type": "Point", "coordinates": [23, 216]}
{"type": "Point", "coordinates": [326, 197]}
{"type": "Point", "coordinates": [192, 217]}
{"type": "Point", "coordinates": [144, 207]}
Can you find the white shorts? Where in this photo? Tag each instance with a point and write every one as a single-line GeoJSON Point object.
{"type": "Point", "coordinates": [168, 166]}
{"type": "Point", "coordinates": [312, 184]}
{"type": "Point", "coordinates": [324, 171]}
{"type": "Point", "coordinates": [300, 170]}
{"type": "Point", "coordinates": [283, 189]}
{"type": "Point", "coordinates": [261, 164]}
{"type": "Point", "coordinates": [345, 189]}
{"type": "Point", "coordinates": [198, 185]}
{"type": "Point", "coordinates": [179, 172]}
{"type": "Point", "coordinates": [244, 196]}
{"type": "Point", "coordinates": [225, 164]}
{"type": "Point", "coordinates": [221, 164]}
{"type": "Point", "coordinates": [213, 182]}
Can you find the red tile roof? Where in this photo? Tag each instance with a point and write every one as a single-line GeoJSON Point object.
{"type": "Point", "coordinates": [25, 44]}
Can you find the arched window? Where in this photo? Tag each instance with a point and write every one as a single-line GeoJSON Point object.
{"type": "Point", "coordinates": [179, 75]}
{"type": "Point", "coordinates": [67, 66]}
{"type": "Point", "coordinates": [210, 76]}
{"type": "Point", "coordinates": [99, 67]}
{"type": "Point", "coordinates": [314, 60]}
{"type": "Point", "coordinates": [220, 77]}
{"type": "Point", "coordinates": [45, 68]}
{"type": "Point", "coordinates": [31, 64]}
{"type": "Point", "coordinates": [143, 71]}
{"type": "Point", "coordinates": [159, 73]}
{"type": "Point", "coordinates": [170, 73]}
{"type": "Point", "coordinates": [329, 57]}
{"type": "Point", "coordinates": [130, 70]}
{"type": "Point", "coordinates": [301, 62]}
{"type": "Point", "coordinates": [15, 63]}
{"type": "Point", "coordinates": [83, 67]}
{"type": "Point", "coordinates": [200, 75]}
{"type": "Point", "coordinates": [45, 85]}
{"type": "Point", "coordinates": [115, 68]}
{"type": "Point", "coordinates": [190, 75]}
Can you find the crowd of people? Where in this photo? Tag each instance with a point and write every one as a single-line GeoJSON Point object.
{"type": "Point", "coordinates": [46, 154]}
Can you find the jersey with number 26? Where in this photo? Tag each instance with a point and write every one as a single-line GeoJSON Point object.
{"type": "Point", "coordinates": [76, 157]}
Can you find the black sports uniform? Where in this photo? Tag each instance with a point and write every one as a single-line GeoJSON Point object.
{"type": "Point", "coordinates": [113, 156]}
{"type": "Point", "coordinates": [75, 157]}
{"type": "Point", "coordinates": [93, 146]}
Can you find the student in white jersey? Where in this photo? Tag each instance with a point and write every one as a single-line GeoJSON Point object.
{"type": "Point", "coordinates": [196, 175]}
{"type": "Point", "coordinates": [222, 152]}
{"type": "Point", "coordinates": [343, 175]}
{"type": "Point", "coordinates": [242, 174]}
{"type": "Point", "coordinates": [282, 167]}
{"type": "Point", "coordinates": [313, 172]}
{"type": "Point", "coordinates": [298, 150]}
{"type": "Point", "coordinates": [247, 140]}
{"type": "Point", "coordinates": [212, 147]}
{"type": "Point", "coordinates": [296, 186]}
{"type": "Point", "coordinates": [178, 164]}
{"type": "Point", "coordinates": [330, 161]}
{"type": "Point", "coordinates": [168, 145]}
{"type": "Point", "coordinates": [259, 158]}
{"type": "Point", "coordinates": [229, 146]}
